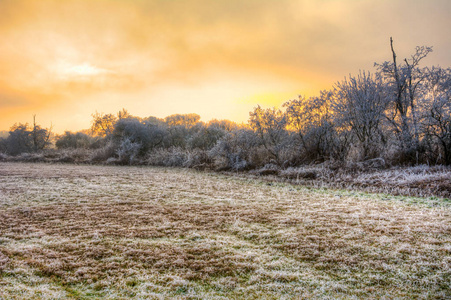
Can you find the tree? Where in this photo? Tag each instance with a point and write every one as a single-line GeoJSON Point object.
{"type": "Point", "coordinates": [70, 140]}
{"type": "Point", "coordinates": [26, 139]}
{"type": "Point", "coordinates": [154, 121]}
{"type": "Point", "coordinates": [147, 136]}
{"type": "Point", "coordinates": [403, 82]}
{"type": "Point", "coordinates": [123, 114]}
{"type": "Point", "coordinates": [270, 125]}
{"type": "Point", "coordinates": [437, 111]}
{"type": "Point", "coordinates": [223, 124]}
{"type": "Point", "coordinates": [19, 139]}
{"type": "Point", "coordinates": [312, 119]}
{"type": "Point", "coordinates": [40, 136]}
{"type": "Point", "coordinates": [237, 150]}
{"type": "Point", "coordinates": [102, 124]}
{"type": "Point", "coordinates": [305, 114]}
{"type": "Point", "coordinates": [358, 105]}
{"type": "Point", "coordinates": [205, 137]}
{"type": "Point", "coordinates": [186, 120]}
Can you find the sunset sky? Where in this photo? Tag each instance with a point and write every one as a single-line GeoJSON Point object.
{"type": "Point", "coordinates": [66, 59]}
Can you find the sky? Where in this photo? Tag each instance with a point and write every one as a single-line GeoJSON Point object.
{"type": "Point", "coordinates": [63, 60]}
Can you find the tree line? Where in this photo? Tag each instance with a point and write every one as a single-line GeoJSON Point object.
{"type": "Point", "coordinates": [401, 114]}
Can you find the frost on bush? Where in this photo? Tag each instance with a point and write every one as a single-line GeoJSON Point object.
{"type": "Point", "coordinates": [197, 159]}
{"type": "Point", "coordinates": [178, 157]}
{"type": "Point", "coordinates": [218, 154]}
{"type": "Point", "coordinates": [237, 163]}
{"type": "Point", "coordinates": [127, 151]}
{"type": "Point", "coordinates": [102, 154]}
{"type": "Point", "coordinates": [171, 157]}
{"type": "Point", "coordinates": [31, 157]}
{"type": "Point", "coordinates": [78, 140]}
{"type": "Point", "coordinates": [77, 155]}
{"type": "Point", "coordinates": [224, 158]}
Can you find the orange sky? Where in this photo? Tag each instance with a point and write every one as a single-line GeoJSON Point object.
{"type": "Point", "coordinates": [65, 59]}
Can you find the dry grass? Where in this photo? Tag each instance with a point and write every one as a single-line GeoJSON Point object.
{"type": "Point", "coordinates": [79, 232]}
{"type": "Point", "coordinates": [417, 181]}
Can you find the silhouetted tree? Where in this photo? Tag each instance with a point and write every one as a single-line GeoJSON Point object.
{"type": "Point", "coordinates": [312, 119]}
{"type": "Point", "coordinates": [40, 136]}
{"type": "Point", "coordinates": [103, 124]}
{"type": "Point", "coordinates": [26, 139]}
{"type": "Point", "coordinates": [186, 120]}
{"type": "Point", "coordinates": [270, 125]}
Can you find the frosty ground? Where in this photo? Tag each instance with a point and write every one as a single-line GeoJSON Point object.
{"type": "Point", "coordinates": [69, 231]}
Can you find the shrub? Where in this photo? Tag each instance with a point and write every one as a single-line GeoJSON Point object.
{"type": "Point", "coordinates": [70, 140]}
{"type": "Point", "coordinates": [127, 151]}
{"type": "Point", "coordinates": [170, 157]}
{"type": "Point", "coordinates": [102, 154]}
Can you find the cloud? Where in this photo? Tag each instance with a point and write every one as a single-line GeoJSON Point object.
{"type": "Point", "coordinates": [10, 99]}
{"type": "Point", "coordinates": [55, 52]}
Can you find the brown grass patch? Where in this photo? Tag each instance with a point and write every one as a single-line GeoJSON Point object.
{"type": "Point", "coordinates": [132, 232]}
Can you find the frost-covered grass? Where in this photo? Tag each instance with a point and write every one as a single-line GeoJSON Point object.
{"type": "Point", "coordinates": [69, 231]}
{"type": "Point", "coordinates": [419, 181]}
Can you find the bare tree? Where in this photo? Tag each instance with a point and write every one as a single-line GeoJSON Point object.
{"type": "Point", "coordinates": [270, 125]}
{"type": "Point", "coordinates": [40, 136]}
{"type": "Point", "coordinates": [358, 105]}
{"type": "Point", "coordinates": [437, 111]}
{"type": "Point", "coordinates": [403, 82]}
{"type": "Point", "coordinates": [103, 124]}
{"type": "Point", "coordinates": [312, 119]}
{"type": "Point", "coordinates": [123, 114]}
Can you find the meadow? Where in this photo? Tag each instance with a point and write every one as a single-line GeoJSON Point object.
{"type": "Point", "coordinates": [117, 232]}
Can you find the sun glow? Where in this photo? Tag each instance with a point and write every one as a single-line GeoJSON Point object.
{"type": "Point", "coordinates": [69, 70]}
{"type": "Point", "coordinates": [215, 58]}
{"type": "Point", "coordinates": [85, 69]}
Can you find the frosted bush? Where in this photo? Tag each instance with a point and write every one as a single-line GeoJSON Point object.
{"type": "Point", "coordinates": [128, 151]}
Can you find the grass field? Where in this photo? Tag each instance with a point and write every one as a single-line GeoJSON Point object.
{"type": "Point", "coordinates": [79, 232]}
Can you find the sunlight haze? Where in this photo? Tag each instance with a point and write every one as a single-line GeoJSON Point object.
{"type": "Point", "coordinates": [64, 60]}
